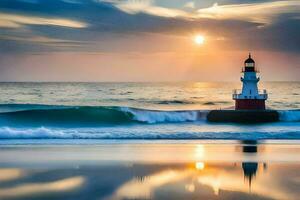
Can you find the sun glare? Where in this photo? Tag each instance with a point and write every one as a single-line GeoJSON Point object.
{"type": "Point", "coordinates": [199, 39]}
{"type": "Point", "coordinates": [199, 165]}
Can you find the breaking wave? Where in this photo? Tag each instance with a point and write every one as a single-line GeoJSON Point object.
{"type": "Point", "coordinates": [26, 121]}
{"type": "Point", "coordinates": [82, 116]}
{"type": "Point", "coordinates": [90, 115]}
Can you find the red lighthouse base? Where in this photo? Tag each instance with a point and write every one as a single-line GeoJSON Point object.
{"type": "Point", "coordinates": [250, 104]}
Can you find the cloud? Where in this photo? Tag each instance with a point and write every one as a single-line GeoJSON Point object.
{"type": "Point", "coordinates": [16, 21]}
{"type": "Point", "coordinates": [148, 7]}
{"type": "Point", "coordinates": [189, 4]}
{"type": "Point", "coordinates": [29, 1]}
{"type": "Point", "coordinates": [122, 26]}
{"type": "Point", "coordinates": [254, 12]}
{"type": "Point", "coordinates": [259, 12]}
{"type": "Point", "coordinates": [72, 1]}
{"type": "Point", "coordinates": [44, 41]}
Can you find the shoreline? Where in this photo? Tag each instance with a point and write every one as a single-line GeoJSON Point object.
{"type": "Point", "coordinates": [91, 141]}
{"type": "Point", "coordinates": [150, 152]}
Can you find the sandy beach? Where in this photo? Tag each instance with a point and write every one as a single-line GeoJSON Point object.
{"type": "Point", "coordinates": [141, 169]}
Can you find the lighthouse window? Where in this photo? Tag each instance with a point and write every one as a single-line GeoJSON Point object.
{"type": "Point", "coordinates": [250, 91]}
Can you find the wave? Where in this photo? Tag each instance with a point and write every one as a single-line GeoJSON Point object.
{"type": "Point", "coordinates": [289, 115]}
{"type": "Point", "coordinates": [18, 114]}
{"type": "Point", "coordinates": [81, 116]}
{"type": "Point", "coordinates": [155, 116]}
{"type": "Point", "coordinates": [167, 102]}
{"type": "Point", "coordinates": [138, 133]}
{"type": "Point", "coordinates": [64, 116]}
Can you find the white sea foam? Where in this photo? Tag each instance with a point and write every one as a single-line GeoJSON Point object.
{"type": "Point", "coordinates": [149, 116]}
{"type": "Point", "coordinates": [198, 130]}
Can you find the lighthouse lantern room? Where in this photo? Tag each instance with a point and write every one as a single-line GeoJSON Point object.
{"type": "Point", "coordinates": [250, 98]}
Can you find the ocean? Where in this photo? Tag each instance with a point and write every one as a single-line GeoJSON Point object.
{"type": "Point", "coordinates": [144, 141]}
{"type": "Point", "coordinates": [138, 111]}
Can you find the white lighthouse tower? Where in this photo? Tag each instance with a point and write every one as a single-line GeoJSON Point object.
{"type": "Point", "coordinates": [250, 98]}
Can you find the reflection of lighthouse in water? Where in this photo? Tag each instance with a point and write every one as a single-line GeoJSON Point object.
{"type": "Point", "coordinates": [249, 168]}
{"type": "Point", "coordinates": [250, 98]}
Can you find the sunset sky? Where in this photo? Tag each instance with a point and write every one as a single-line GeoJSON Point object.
{"type": "Point", "coordinates": [148, 40]}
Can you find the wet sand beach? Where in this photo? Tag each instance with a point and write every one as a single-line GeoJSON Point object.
{"type": "Point", "coordinates": [141, 169]}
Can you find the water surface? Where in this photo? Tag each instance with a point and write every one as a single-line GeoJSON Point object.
{"type": "Point", "coordinates": [150, 170]}
{"type": "Point", "coordinates": [138, 111]}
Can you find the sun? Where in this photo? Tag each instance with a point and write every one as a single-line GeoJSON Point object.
{"type": "Point", "coordinates": [199, 39]}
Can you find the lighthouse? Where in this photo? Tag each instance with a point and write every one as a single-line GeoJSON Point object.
{"type": "Point", "coordinates": [250, 98]}
{"type": "Point", "coordinates": [249, 102]}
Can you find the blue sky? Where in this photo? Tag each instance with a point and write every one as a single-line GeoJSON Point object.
{"type": "Point", "coordinates": [135, 40]}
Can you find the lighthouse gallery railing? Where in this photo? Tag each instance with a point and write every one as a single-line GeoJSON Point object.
{"type": "Point", "coordinates": [236, 93]}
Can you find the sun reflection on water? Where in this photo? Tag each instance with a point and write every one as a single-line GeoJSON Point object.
{"type": "Point", "coordinates": [199, 165]}
{"type": "Point", "coordinates": [199, 151]}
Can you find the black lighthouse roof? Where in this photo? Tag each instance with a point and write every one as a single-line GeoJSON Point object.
{"type": "Point", "coordinates": [249, 64]}
{"type": "Point", "coordinates": [249, 60]}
